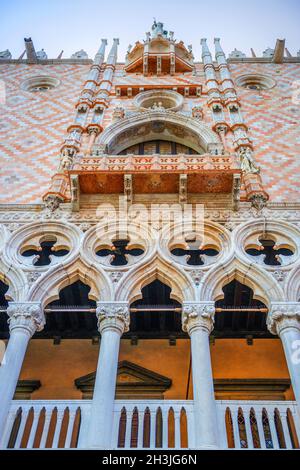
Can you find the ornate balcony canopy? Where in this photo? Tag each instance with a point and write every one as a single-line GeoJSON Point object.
{"type": "Point", "coordinates": [159, 53]}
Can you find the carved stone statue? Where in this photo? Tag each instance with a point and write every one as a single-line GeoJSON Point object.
{"type": "Point", "coordinates": [41, 55]}
{"type": "Point", "coordinates": [248, 164]}
{"type": "Point", "coordinates": [65, 162]}
{"type": "Point", "coordinates": [5, 55]}
{"type": "Point", "coordinates": [158, 106]}
{"type": "Point", "coordinates": [79, 55]}
{"type": "Point", "coordinates": [235, 54]}
{"type": "Point", "coordinates": [158, 29]}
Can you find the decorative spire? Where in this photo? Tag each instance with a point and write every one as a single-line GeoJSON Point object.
{"type": "Point", "coordinates": [30, 51]}
{"type": "Point", "coordinates": [220, 56]}
{"type": "Point", "coordinates": [206, 55]}
{"type": "Point", "coordinates": [99, 57]}
{"type": "Point", "coordinates": [112, 56]}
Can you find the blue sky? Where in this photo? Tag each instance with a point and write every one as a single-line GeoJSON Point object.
{"type": "Point", "coordinates": [79, 24]}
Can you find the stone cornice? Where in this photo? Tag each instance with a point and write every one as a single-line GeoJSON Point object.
{"type": "Point", "coordinates": [198, 315]}
{"type": "Point", "coordinates": [283, 315]}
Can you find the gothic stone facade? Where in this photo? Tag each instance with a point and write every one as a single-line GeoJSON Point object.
{"type": "Point", "coordinates": [164, 127]}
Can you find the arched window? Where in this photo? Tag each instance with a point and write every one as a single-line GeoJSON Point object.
{"type": "Point", "coordinates": [155, 314]}
{"type": "Point", "coordinates": [68, 316]}
{"type": "Point", "coordinates": [239, 314]}
{"type": "Point", "coordinates": [162, 147]}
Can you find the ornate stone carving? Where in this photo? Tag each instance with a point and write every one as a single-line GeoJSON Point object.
{"type": "Point", "coordinates": [113, 315]}
{"type": "Point", "coordinates": [279, 275]}
{"type": "Point", "coordinates": [197, 276]}
{"type": "Point", "coordinates": [84, 226]}
{"type": "Point", "coordinates": [248, 164]}
{"type": "Point", "coordinates": [33, 276]}
{"type": "Point", "coordinates": [52, 202]}
{"type": "Point", "coordinates": [26, 315]}
{"type": "Point", "coordinates": [183, 189]}
{"type": "Point", "coordinates": [283, 315]}
{"type": "Point", "coordinates": [258, 201]}
{"type": "Point", "coordinates": [197, 113]}
{"type": "Point", "coordinates": [118, 113]}
{"type": "Point", "coordinates": [198, 315]}
{"type": "Point", "coordinates": [116, 276]}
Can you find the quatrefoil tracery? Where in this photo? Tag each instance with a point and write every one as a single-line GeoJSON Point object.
{"type": "Point", "coordinates": [195, 253]}
{"type": "Point", "coordinates": [119, 252]}
{"type": "Point", "coordinates": [42, 254]}
{"type": "Point", "coordinates": [269, 252]}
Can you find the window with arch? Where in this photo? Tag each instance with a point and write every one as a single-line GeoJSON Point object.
{"type": "Point", "coordinates": [162, 147]}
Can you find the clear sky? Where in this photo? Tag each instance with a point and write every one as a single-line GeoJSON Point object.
{"type": "Point", "coordinates": [72, 25]}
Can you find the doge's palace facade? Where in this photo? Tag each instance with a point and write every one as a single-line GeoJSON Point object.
{"type": "Point", "coordinates": [150, 248]}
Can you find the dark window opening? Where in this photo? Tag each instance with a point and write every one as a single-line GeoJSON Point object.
{"type": "Point", "coordinates": [71, 324]}
{"type": "Point", "coordinates": [159, 319]}
{"type": "Point", "coordinates": [241, 315]}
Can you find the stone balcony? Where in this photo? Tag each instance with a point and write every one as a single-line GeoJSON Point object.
{"type": "Point", "coordinates": [140, 174]}
{"type": "Point", "coordinates": [152, 424]}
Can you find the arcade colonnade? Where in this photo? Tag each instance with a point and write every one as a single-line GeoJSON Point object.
{"type": "Point", "coordinates": [28, 301]}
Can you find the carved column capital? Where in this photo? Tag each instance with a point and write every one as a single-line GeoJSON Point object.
{"type": "Point", "coordinates": [26, 316]}
{"type": "Point", "coordinates": [198, 315]}
{"type": "Point", "coordinates": [113, 316]}
{"type": "Point", "coordinates": [283, 315]}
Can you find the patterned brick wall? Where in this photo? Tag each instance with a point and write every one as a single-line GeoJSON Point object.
{"type": "Point", "coordinates": [32, 128]}
{"type": "Point", "coordinates": [33, 125]}
{"type": "Point", "coordinates": [274, 123]}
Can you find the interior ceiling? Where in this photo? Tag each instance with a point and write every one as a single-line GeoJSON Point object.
{"type": "Point", "coordinates": [145, 324]}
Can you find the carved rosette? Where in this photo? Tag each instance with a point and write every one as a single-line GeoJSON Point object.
{"type": "Point", "coordinates": [26, 316]}
{"type": "Point", "coordinates": [113, 316]}
{"type": "Point", "coordinates": [198, 315]}
{"type": "Point", "coordinates": [283, 315]}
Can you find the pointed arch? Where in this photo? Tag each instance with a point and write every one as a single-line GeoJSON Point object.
{"type": "Point", "coordinates": [131, 287]}
{"type": "Point", "coordinates": [16, 281]}
{"type": "Point", "coordinates": [53, 281]}
{"type": "Point", "coordinates": [260, 281]}
{"type": "Point", "coordinates": [180, 128]}
{"type": "Point", "coordinates": [292, 288]}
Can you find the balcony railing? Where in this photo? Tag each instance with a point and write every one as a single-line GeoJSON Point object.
{"type": "Point", "coordinates": [152, 424]}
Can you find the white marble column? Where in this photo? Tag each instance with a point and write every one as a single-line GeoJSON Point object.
{"type": "Point", "coordinates": [113, 321]}
{"type": "Point", "coordinates": [25, 318]}
{"type": "Point", "coordinates": [197, 320]}
{"type": "Point", "coordinates": [284, 320]}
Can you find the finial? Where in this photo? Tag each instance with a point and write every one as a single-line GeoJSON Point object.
{"type": "Point", "coordinates": [30, 51]}
{"type": "Point", "coordinates": [104, 41]}
{"type": "Point", "coordinates": [116, 41]}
